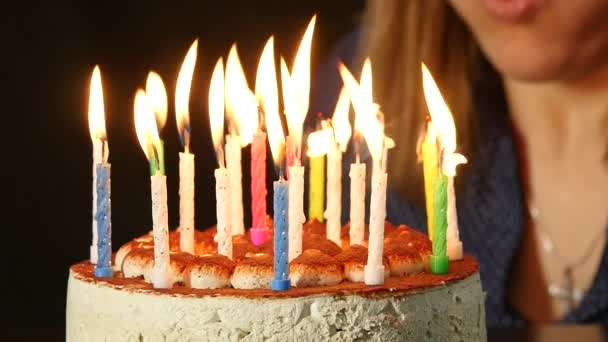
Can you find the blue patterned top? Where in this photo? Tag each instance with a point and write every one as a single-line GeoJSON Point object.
{"type": "Point", "coordinates": [491, 206]}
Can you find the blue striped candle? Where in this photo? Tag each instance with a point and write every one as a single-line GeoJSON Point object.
{"type": "Point", "coordinates": [103, 269]}
{"type": "Point", "coordinates": [281, 245]}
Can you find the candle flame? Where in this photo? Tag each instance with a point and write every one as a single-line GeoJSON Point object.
{"type": "Point", "coordinates": [289, 102]}
{"type": "Point", "coordinates": [182, 94]}
{"type": "Point", "coordinates": [157, 98]}
{"type": "Point", "coordinates": [145, 126]}
{"type": "Point", "coordinates": [340, 122]}
{"type": "Point", "coordinates": [296, 86]}
{"type": "Point", "coordinates": [442, 124]}
{"type": "Point", "coordinates": [319, 142]}
{"type": "Point", "coordinates": [366, 111]}
{"type": "Point", "coordinates": [216, 107]}
{"type": "Point", "coordinates": [266, 81]}
{"type": "Point", "coordinates": [266, 90]}
{"type": "Point", "coordinates": [97, 124]}
{"type": "Point", "coordinates": [241, 104]}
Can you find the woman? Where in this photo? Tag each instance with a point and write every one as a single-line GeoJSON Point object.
{"type": "Point", "coordinates": [527, 82]}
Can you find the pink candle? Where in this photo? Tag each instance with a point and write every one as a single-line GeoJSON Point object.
{"type": "Point", "coordinates": [259, 231]}
{"type": "Point", "coordinates": [292, 153]}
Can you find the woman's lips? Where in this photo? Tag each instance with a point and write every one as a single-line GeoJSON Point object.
{"type": "Point", "coordinates": [512, 10]}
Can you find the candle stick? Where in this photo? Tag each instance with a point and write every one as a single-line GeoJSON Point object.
{"type": "Point", "coordinates": [97, 157]}
{"type": "Point", "coordinates": [454, 245]}
{"type": "Point", "coordinates": [281, 246]}
{"type": "Point", "coordinates": [233, 164]}
{"type": "Point", "coordinates": [439, 260]}
{"type": "Point", "coordinates": [103, 268]}
{"type": "Point", "coordinates": [259, 230]}
{"type": "Point", "coordinates": [374, 269]}
{"type": "Point", "coordinates": [319, 144]}
{"type": "Point", "coordinates": [429, 165]}
{"type": "Point", "coordinates": [357, 203]}
{"type": "Point", "coordinates": [224, 234]}
{"type": "Point", "coordinates": [334, 193]}
{"type": "Point", "coordinates": [147, 134]}
{"type": "Point", "coordinates": [100, 148]}
{"type": "Point", "coordinates": [161, 278]}
{"type": "Point", "coordinates": [444, 199]}
{"type": "Point", "coordinates": [186, 159]}
{"type": "Point", "coordinates": [316, 196]}
{"type": "Point", "coordinates": [186, 202]}
{"type": "Point", "coordinates": [296, 213]}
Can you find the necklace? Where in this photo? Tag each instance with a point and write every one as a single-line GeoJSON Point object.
{"type": "Point", "coordinates": [566, 293]}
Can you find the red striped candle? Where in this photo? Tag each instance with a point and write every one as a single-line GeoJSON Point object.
{"type": "Point", "coordinates": [259, 231]}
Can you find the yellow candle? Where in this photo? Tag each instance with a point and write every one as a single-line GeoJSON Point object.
{"type": "Point", "coordinates": [429, 162]}
{"type": "Point", "coordinates": [316, 195]}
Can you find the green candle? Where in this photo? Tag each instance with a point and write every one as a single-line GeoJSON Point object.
{"type": "Point", "coordinates": [439, 259]}
{"type": "Point", "coordinates": [316, 194]}
{"type": "Point", "coordinates": [161, 159]}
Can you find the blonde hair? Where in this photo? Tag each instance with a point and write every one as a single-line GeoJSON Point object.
{"type": "Point", "coordinates": [397, 36]}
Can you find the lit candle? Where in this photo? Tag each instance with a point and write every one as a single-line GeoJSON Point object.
{"type": "Point", "coordinates": [342, 132]}
{"type": "Point", "coordinates": [102, 209]}
{"type": "Point", "coordinates": [186, 159]}
{"type": "Point", "coordinates": [100, 147]}
{"type": "Point", "coordinates": [222, 181]}
{"type": "Point", "coordinates": [242, 112]}
{"type": "Point", "coordinates": [429, 165]}
{"type": "Point", "coordinates": [282, 244]}
{"type": "Point", "coordinates": [267, 96]}
{"type": "Point", "coordinates": [147, 134]}
{"type": "Point", "coordinates": [367, 115]}
{"type": "Point", "coordinates": [158, 103]}
{"type": "Point", "coordinates": [446, 240]}
{"type": "Point", "coordinates": [296, 88]}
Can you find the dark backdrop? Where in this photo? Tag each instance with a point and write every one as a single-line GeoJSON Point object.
{"type": "Point", "coordinates": [51, 49]}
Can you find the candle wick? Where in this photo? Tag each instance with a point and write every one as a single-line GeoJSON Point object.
{"type": "Point", "coordinates": [357, 148]}
{"type": "Point", "coordinates": [104, 145]}
{"type": "Point", "coordinates": [220, 156]}
{"type": "Point", "coordinates": [186, 140]}
{"type": "Point", "coordinates": [156, 158]}
{"type": "Point", "coordinates": [262, 117]}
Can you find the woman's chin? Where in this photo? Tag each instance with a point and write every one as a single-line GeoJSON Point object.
{"type": "Point", "coordinates": [531, 63]}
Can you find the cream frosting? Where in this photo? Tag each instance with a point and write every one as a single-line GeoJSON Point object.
{"type": "Point", "coordinates": [100, 311]}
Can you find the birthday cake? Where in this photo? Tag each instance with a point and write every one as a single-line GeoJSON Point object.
{"type": "Point", "coordinates": [216, 298]}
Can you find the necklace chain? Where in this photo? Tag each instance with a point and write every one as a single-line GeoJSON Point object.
{"type": "Point", "coordinates": [549, 244]}
{"type": "Point", "coordinates": [565, 293]}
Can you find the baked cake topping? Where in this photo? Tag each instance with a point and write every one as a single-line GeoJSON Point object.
{"type": "Point", "coordinates": [323, 263]}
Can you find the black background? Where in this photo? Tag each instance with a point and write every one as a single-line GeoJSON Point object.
{"type": "Point", "coordinates": [50, 49]}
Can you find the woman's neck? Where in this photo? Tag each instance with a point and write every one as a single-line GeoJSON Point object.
{"type": "Point", "coordinates": [562, 117]}
{"type": "Point", "coordinates": [561, 129]}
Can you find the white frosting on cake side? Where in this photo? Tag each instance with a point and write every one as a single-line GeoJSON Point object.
{"type": "Point", "coordinates": [97, 311]}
